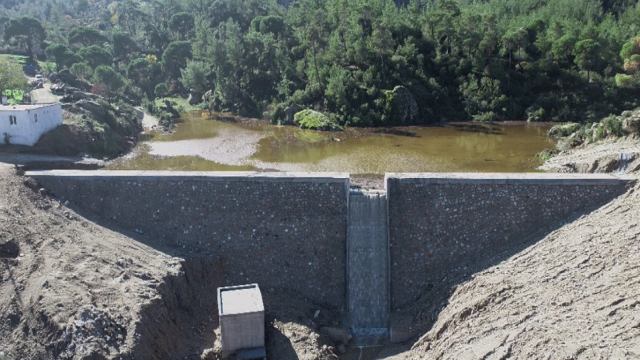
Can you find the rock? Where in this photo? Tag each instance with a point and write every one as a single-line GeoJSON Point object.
{"type": "Point", "coordinates": [339, 336]}
{"type": "Point", "coordinates": [290, 112]}
{"type": "Point", "coordinates": [342, 349]}
{"type": "Point", "coordinates": [93, 107]}
{"type": "Point", "coordinates": [315, 120]}
{"type": "Point", "coordinates": [564, 130]}
{"type": "Point", "coordinates": [81, 95]}
{"type": "Point", "coordinates": [207, 97]}
{"type": "Point", "coordinates": [631, 125]}
{"type": "Point", "coordinates": [403, 104]}
{"type": "Point", "coordinates": [194, 99]}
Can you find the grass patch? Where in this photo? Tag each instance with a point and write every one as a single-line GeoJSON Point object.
{"type": "Point", "coordinates": [182, 105]}
{"type": "Point", "coordinates": [45, 66]}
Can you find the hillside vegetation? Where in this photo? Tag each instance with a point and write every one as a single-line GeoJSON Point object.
{"type": "Point", "coordinates": [360, 62]}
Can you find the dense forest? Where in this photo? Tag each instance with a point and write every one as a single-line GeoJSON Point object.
{"type": "Point", "coordinates": [359, 62]}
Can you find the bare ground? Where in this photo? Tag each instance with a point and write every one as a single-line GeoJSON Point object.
{"type": "Point", "coordinates": [73, 287]}
{"type": "Point", "coordinates": [601, 157]}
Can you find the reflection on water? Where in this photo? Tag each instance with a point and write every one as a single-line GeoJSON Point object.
{"type": "Point", "coordinates": [204, 143]}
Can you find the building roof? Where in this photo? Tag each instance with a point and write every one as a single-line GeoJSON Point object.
{"type": "Point", "coordinates": [25, 107]}
{"type": "Point", "coordinates": [240, 300]}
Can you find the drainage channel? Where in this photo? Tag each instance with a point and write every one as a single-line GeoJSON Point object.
{"type": "Point", "coordinates": [368, 267]}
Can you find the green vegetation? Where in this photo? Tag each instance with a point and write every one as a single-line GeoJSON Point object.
{"type": "Point", "coordinates": [564, 130]}
{"type": "Point", "coordinates": [314, 120]}
{"type": "Point", "coordinates": [611, 127]}
{"type": "Point", "coordinates": [11, 78]}
{"type": "Point", "coordinates": [360, 62]}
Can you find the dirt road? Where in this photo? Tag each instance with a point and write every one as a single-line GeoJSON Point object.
{"type": "Point", "coordinates": [44, 95]}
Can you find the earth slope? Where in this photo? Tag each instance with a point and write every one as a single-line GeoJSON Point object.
{"type": "Point", "coordinates": [573, 295]}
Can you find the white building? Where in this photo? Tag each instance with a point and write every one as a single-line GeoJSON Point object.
{"type": "Point", "coordinates": [24, 124]}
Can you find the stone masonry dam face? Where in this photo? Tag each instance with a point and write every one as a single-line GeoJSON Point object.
{"type": "Point", "coordinates": [364, 253]}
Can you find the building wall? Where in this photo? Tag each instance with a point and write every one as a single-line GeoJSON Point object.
{"type": "Point", "coordinates": [443, 223]}
{"type": "Point", "coordinates": [27, 131]}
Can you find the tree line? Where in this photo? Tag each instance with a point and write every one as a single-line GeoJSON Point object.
{"type": "Point", "coordinates": [540, 60]}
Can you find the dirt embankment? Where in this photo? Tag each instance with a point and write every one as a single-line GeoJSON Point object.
{"type": "Point", "coordinates": [603, 157]}
{"type": "Point", "coordinates": [73, 287]}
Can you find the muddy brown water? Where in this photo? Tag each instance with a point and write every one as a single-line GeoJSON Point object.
{"type": "Point", "coordinates": [219, 142]}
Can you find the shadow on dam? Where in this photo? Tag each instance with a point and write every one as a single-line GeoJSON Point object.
{"type": "Point", "coordinates": [291, 236]}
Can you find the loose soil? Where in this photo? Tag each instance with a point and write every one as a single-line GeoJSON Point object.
{"type": "Point", "coordinates": [73, 287]}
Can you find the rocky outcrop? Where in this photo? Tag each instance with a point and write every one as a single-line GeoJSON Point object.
{"type": "Point", "coordinates": [631, 122]}
{"type": "Point", "coordinates": [402, 104]}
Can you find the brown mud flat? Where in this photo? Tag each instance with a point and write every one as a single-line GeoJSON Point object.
{"type": "Point", "coordinates": [222, 142]}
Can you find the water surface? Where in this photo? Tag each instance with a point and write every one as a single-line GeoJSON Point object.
{"type": "Point", "coordinates": [225, 143]}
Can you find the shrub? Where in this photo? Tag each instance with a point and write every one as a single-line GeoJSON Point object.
{"type": "Point", "coordinates": [613, 126]}
{"type": "Point", "coordinates": [564, 129]}
{"type": "Point", "coordinates": [311, 119]}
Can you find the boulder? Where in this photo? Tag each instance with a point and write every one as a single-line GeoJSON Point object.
{"type": "Point", "coordinates": [290, 112]}
{"type": "Point", "coordinates": [315, 120]}
{"type": "Point", "coordinates": [403, 104]}
{"type": "Point", "coordinates": [194, 99]}
{"type": "Point", "coordinates": [632, 124]}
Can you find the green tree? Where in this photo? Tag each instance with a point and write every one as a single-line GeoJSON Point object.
{"type": "Point", "coordinates": [61, 55]}
{"type": "Point", "coordinates": [106, 75]}
{"type": "Point", "coordinates": [95, 56]}
{"type": "Point", "coordinates": [175, 57]}
{"type": "Point", "coordinates": [81, 71]}
{"type": "Point", "coordinates": [161, 90]}
{"type": "Point", "coordinates": [183, 25]}
{"type": "Point", "coordinates": [562, 48]}
{"type": "Point", "coordinates": [587, 54]}
{"type": "Point", "coordinates": [124, 48]}
{"type": "Point", "coordinates": [26, 31]}
{"type": "Point", "coordinates": [194, 77]}
{"type": "Point", "coordinates": [83, 36]}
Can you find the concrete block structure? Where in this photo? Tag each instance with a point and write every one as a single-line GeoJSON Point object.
{"type": "Point", "coordinates": [24, 124]}
{"type": "Point", "coordinates": [241, 314]}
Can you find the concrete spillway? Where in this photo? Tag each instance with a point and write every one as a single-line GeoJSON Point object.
{"type": "Point", "coordinates": [368, 265]}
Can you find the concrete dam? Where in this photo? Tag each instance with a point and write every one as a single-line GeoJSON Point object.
{"type": "Point", "coordinates": [365, 253]}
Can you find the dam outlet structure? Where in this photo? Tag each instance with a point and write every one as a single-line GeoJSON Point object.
{"type": "Point", "coordinates": [369, 254]}
{"type": "Point", "coordinates": [368, 266]}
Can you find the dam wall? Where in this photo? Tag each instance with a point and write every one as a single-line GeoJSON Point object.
{"type": "Point", "coordinates": [282, 231]}
{"type": "Point", "coordinates": [441, 223]}
{"type": "Point", "coordinates": [293, 231]}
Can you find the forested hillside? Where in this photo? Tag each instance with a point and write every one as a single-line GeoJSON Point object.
{"type": "Point", "coordinates": [360, 62]}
